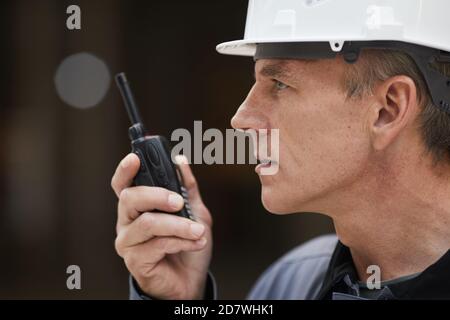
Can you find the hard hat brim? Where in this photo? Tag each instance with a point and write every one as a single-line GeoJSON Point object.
{"type": "Point", "coordinates": [247, 47]}
{"type": "Point", "coordinates": [237, 48]}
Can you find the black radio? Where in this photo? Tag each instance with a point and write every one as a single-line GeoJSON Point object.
{"type": "Point", "coordinates": [157, 168]}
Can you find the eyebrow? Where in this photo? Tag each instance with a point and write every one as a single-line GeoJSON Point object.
{"type": "Point", "coordinates": [275, 70]}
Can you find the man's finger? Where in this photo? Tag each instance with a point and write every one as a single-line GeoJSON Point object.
{"type": "Point", "coordinates": [125, 173]}
{"type": "Point", "coordinates": [189, 181]}
{"type": "Point", "coordinates": [136, 200]}
{"type": "Point", "coordinates": [149, 225]}
{"type": "Point", "coordinates": [153, 251]}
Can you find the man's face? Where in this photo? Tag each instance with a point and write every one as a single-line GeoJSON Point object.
{"type": "Point", "coordinates": [323, 147]}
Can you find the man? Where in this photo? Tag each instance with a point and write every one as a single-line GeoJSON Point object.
{"type": "Point", "coordinates": [362, 108]}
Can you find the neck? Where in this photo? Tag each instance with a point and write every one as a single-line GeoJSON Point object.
{"type": "Point", "coordinates": [399, 222]}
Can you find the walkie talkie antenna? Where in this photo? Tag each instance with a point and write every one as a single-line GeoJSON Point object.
{"type": "Point", "coordinates": [128, 98]}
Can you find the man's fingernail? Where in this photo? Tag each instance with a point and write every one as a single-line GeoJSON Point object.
{"type": "Point", "coordinates": [175, 200]}
{"type": "Point", "coordinates": [197, 229]}
{"type": "Point", "coordinates": [181, 159]}
{"type": "Point", "coordinates": [201, 242]}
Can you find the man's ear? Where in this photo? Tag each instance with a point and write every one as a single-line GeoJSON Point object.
{"type": "Point", "coordinates": [396, 104]}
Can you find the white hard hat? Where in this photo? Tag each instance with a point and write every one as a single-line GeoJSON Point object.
{"type": "Point", "coordinates": [324, 28]}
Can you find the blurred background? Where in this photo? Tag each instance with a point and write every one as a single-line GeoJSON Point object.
{"type": "Point", "coordinates": [59, 147]}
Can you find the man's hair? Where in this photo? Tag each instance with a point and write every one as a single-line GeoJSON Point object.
{"type": "Point", "coordinates": [377, 65]}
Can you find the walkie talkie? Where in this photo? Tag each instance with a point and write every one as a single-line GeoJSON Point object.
{"type": "Point", "coordinates": [157, 168]}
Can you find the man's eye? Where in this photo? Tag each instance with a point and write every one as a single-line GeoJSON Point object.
{"type": "Point", "coordinates": [280, 85]}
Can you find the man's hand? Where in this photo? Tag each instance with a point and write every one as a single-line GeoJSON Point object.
{"type": "Point", "coordinates": [167, 255]}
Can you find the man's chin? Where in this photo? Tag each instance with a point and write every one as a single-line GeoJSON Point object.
{"type": "Point", "coordinates": [281, 202]}
{"type": "Point", "coordinates": [273, 203]}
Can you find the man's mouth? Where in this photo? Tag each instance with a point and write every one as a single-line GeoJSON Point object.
{"type": "Point", "coordinates": [265, 162]}
{"type": "Point", "coordinates": [264, 165]}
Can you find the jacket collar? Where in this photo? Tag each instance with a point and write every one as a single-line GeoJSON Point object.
{"type": "Point", "coordinates": [341, 277]}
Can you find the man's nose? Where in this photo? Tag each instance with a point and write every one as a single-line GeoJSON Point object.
{"type": "Point", "coordinates": [248, 116]}
{"type": "Point", "coordinates": [240, 119]}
